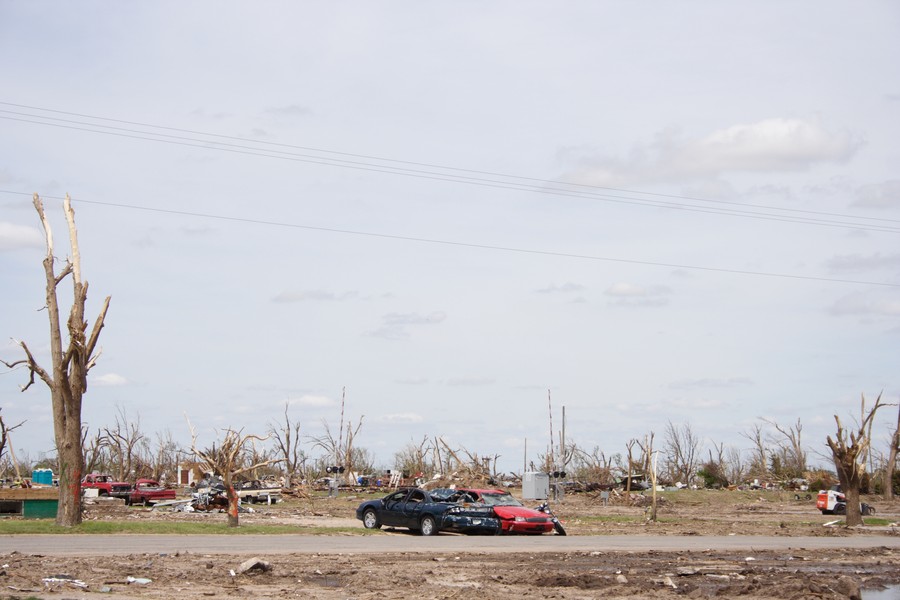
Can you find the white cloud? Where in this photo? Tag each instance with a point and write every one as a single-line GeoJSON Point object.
{"type": "Point", "coordinates": [395, 325]}
{"type": "Point", "coordinates": [401, 418]}
{"type": "Point", "coordinates": [293, 110]}
{"type": "Point", "coordinates": [856, 262]}
{"type": "Point", "coordinates": [312, 401]}
{"type": "Point", "coordinates": [629, 294]}
{"type": "Point", "coordinates": [731, 382]}
{"type": "Point", "coordinates": [315, 295]}
{"type": "Point", "coordinates": [15, 237]}
{"type": "Point", "coordinates": [879, 195]}
{"type": "Point", "coordinates": [470, 381]}
{"type": "Point", "coordinates": [866, 305]}
{"type": "Point", "coordinates": [109, 380]}
{"type": "Point", "coordinates": [765, 146]}
{"type": "Point", "coordinates": [566, 288]}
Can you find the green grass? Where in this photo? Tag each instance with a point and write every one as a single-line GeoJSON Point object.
{"type": "Point", "coordinates": [45, 526]}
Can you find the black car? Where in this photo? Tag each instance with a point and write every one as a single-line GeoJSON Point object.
{"type": "Point", "coordinates": [417, 510]}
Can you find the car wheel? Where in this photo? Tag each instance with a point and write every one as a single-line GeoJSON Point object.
{"type": "Point", "coordinates": [840, 509]}
{"type": "Point", "coordinates": [147, 502]}
{"type": "Point", "coordinates": [370, 520]}
{"type": "Point", "coordinates": [428, 526]}
{"type": "Point", "coordinates": [127, 501]}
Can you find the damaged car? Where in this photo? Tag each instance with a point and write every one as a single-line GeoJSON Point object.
{"type": "Point", "coordinates": [416, 510]}
{"type": "Point", "coordinates": [514, 516]}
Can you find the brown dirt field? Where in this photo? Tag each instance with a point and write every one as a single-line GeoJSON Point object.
{"type": "Point", "coordinates": [567, 576]}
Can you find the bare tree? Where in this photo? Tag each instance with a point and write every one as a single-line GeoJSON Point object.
{"type": "Point", "coordinates": [892, 462]}
{"type": "Point", "coordinates": [95, 451]}
{"type": "Point", "coordinates": [339, 448]}
{"type": "Point", "coordinates": [414, 458]}
{"type": "Point", "coordinates": [67, 379]}
{"type": "Point", "coordinates": [5, 441]}
{"type": "Point", "coordinates": [287, 440]}
{"type": "Point", "coordinates": [790, 448]}
{"type": "Point", "coordinates": [758, 466]}
{"type": "Point", "coordinates": [123, 440]}
{"type": "Point", "coordinates": [735, 469]}
{"type": "Point", "coordinates": [165, 457]}
{"type": "Point", "coordinates": [228, 460]}
{"type": "Point", "coordinates": [681, 446]}
{"type": "Point", "coordinates": [850, 458]}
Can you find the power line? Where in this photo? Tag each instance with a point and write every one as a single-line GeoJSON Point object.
{"type": "Point", "coordinates": [513, 182]}
{"type": "Point", "coordinates": [466, 244]}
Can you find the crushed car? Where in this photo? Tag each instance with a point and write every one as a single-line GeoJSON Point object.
{"type": "Point", "coordinates": [417, 510]}
{"type": "Point", "coordinates": [148, 492]}
{"type": "Point", "coordinates": [514, 516]}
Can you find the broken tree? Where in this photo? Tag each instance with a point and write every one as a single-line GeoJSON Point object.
{"type": "Point", "coordinates": [67, 378]}
{"type": "Point", "coordinates": [850, 458]}
{"type": "Point", "coordinates": [228, 461]}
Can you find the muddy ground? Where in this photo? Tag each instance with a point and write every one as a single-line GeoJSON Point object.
{"type": "Point", "coordinates": [791, 575]}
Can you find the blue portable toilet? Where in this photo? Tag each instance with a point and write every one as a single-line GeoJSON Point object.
{"type": "Point", "coordinates": [42, 477]}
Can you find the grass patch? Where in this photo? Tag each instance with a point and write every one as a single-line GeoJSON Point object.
{"type": "Point", "coordinates": [46, 526]}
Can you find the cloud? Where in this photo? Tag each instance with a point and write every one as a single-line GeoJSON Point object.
{"type": "Point", "coordinates": [311, 401]}
{"type": "Point", "coordinates": [395, 325]}
{"type": "Point", "coordinates": [315, 295]}
{"type": "Point", "coordinates": [470, 381]}
{"type": "Point", "coordinates": [293, 110]}
{"type": "Point", "coordinates": [879, 195]}
{"type": "Point", "coordinates": [707, 383]}
{"type": "Point", "coordinates": [412, 381]}
{"type": "Point", "coordinates": [866, 305]}
{"type": "Point", "coordinates": [566, 288]}
{"type": "Point", "coordinates": [401, 418]}
{"type": "Point", "coordinates": [629, 294]}
{"type": "Point", "coordinates": [856, 262]}
{"type": "Point", "coordinates": [16, 237]}
{"type": "Point", "coordinates": [769, 145]}
{"type": "Point", "coordinates": [109, 380]}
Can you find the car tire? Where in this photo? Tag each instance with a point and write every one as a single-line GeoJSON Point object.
{"type": "Point", "coordinates": [370, 520]}
{"type": "Point", "coordinates": [840, 509]}
{"type": "Point", "coordinates": [428, 526]}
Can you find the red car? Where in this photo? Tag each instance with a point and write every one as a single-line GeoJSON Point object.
{"type": "Point", "coordinates": [514, 516]}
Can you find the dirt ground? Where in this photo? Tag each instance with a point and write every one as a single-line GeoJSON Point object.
{"type": "Point", "coordinates": [565, 576]}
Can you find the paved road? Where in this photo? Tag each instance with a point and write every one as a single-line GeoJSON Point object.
{"type": "Point", "coordinates": [320, 544]}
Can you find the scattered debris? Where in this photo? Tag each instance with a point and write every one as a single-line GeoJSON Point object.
{"type": "Point", "coordinates": [254, 563]}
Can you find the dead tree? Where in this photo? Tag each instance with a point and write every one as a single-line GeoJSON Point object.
{"type": "Point", "coordinates": [228, 461]}
{"type": "Point", "coordinates": [758, 463]}
{"type": "Point", "coordinates": [850, 456]}
{"type": "Point", "coordinates": [681, 446]}
{"type": "Point", "coordinates": [123, 440]}
{"type": "Point", "coordinates": [790, 448]}
{"type": "Point", "coordinates": [888, 485]}
{"type": "Point", "coordinates": [287, 439]}
{"type": "Point", "coordinates": [6, 440]}
{"type": "Point", "coordinates": [67, 378]}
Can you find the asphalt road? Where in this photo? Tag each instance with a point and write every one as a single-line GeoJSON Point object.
{"type": "Point", "coordinates": [239, 544]}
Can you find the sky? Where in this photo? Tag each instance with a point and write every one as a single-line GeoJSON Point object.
{"type": "Point", "coordinates": [460, 217]}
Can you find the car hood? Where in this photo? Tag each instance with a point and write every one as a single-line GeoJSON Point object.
{"type": "Point", "coordinates": [511, 512]}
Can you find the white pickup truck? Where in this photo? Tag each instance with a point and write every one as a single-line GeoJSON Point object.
{"type": "Point", "coordinates": [256, 492]}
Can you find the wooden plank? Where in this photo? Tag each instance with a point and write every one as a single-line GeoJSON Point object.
{"type": "Point", "coordinates": [48, 493]}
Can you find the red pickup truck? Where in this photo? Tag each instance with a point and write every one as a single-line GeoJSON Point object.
{"type": "Point", "coordinates": [106, 485]}
{"type": "Point", "coordinates": [148, 491]}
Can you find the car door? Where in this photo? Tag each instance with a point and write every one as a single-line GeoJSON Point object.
{"type": "Point", "coordinates": [392, 511]}
{"type": "Point", "coordinates": [412, 508]}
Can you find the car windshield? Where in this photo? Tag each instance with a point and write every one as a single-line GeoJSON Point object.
{"type": "Point", "coordinates": [499, 500]}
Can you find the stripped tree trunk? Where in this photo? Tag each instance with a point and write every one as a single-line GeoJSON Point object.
{"type": "Point", "coordinates": [67, 378]}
